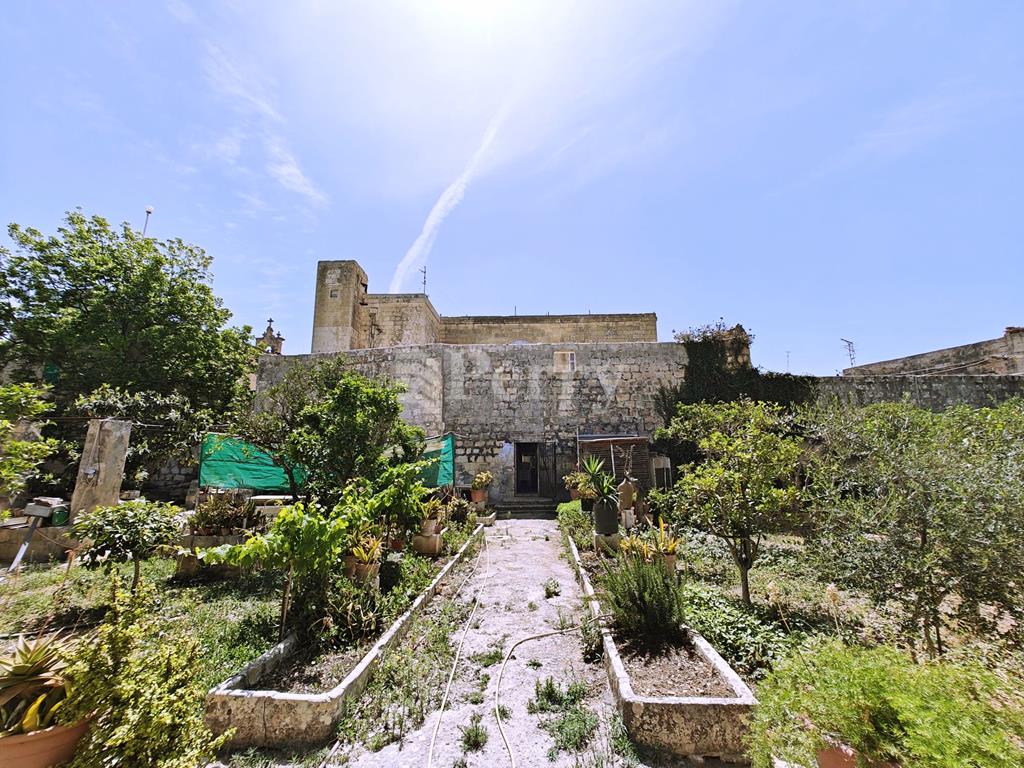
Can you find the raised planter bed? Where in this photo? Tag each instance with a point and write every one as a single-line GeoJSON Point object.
{"type": "Point", "coordinates": [685, 726]}
{"type": "Point", "coordinates": [276, 719]}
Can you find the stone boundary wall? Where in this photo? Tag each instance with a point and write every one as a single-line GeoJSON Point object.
{"type": "Point", "coordinates": [1002, 356]}
{"type": "Point", "coordinates": [549, 329]}
{"type": "Point", "coordinates": [932, 392]}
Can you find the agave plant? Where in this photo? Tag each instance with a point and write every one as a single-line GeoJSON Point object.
{"type": "Point", "coordinates": [666, 543]}
{"type": "Point", "coordinates": [32, 684]}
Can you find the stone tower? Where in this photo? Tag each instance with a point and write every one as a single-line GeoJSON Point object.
{"type": "Point", "coordinates": [339, 314]}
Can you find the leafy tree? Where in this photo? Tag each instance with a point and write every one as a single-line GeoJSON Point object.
{"type": "Point", "coordinates": [21, 452]}
{"type": "Point", "coordinates": [924, 509]}
{"type": "Point", "coordinates": [334, 423]}
{"type": "Point", "coordinates": [745, 485]}
{"type": "Point", "coordinates": [129, 532]}
{"type": "Point", "coordinates": [92, 305]}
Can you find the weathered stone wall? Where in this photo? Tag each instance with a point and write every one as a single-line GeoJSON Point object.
{"type": "Point", "coordinates": [550, 329]}
{"type": "Point", "coordinates": [403, 319]}
{"type": "Point", "coordinates": [339, 319]}
{"type": "Point", "coordinates": [419, 368]}
{"type": "Point", "coordinates": [933, 392]}
{"type": "Point", "coordinates": [1002, 356]}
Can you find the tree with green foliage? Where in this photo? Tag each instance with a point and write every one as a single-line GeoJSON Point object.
{"type": "Point", "coordinates": [93, 310]}
{"type": "Point", "coordinates": [129, 532]}
{"type": "Point", "coordinates": [22, 450]}
{"type": "Point", "coordinates": [744, 486]}
{"type": "Point", "coordinates": [924, 509]}
{"type": "Point", "coordinates": [334, 423]}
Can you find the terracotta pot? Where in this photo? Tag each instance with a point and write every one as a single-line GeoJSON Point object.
{"type": "Point", "coordinates": [397, 544]}
{"type": "Point", "coordinates": [429, 527]}
{"type": "Point", "coordinates": [840, 756]}
{"type": "Point", "coordinates": [478, 494]}
{"type": "Point", "coordinates": [40, 749]}
{"type": "Point", "coordinates": [574, 493]}
{"type": "Point", "coordinates": [366, 571]}
{"type": "Point", "coordinates": [606, 518]}
{"type": "Point", "coordinates": [349, 565]}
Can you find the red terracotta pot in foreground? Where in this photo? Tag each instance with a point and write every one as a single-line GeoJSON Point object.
{"type": "Point", "coordinates": [43, 748]}
{"type": "Point", "coordinates": [478, 494]}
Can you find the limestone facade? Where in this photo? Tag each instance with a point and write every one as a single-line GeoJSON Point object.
{"type": "Point", "coordinates": [1002, 356]}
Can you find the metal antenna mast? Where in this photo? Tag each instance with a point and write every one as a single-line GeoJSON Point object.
{"type": "Point", "coordinates": [850, 351]}
{"type": "Point", "coordinates": [424, 273]}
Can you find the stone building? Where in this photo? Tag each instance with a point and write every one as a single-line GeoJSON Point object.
{"type": "Point", "coordinates": [1003, 356]}
{"type": "Point", "coordinates": [521, 394]}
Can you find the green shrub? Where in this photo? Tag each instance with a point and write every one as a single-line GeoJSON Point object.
{"type": "Point", "coordinates": [748, 643]}
{"type": "Point", "coordinates": [474, 735]}
{"type": "Point", "coordinates": [126, 532]}
{"type": "Point", "coordinates": [144, 688]}
{"type": "Point", "coordinates": [644, 601]}
{"type": "Point", "coordinates": [878, 701]}
{"type": "Point", "coordinates": [548, 696]}
{"type": "Point", "coordinates": [575, 523]}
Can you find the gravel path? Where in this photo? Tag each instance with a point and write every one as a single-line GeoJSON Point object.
{"type": "Point", "coordinates": [521, 556]}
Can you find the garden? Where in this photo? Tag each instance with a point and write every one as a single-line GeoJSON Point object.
{"type": "Point", "coordinates": [856, 567]}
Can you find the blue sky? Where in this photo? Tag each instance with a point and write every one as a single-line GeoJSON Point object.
{"type": "Point", "coordinates": [811, 170]}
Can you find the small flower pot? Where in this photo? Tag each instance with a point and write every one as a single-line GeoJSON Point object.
{"type": "Point", "coordinates": [397, 544]}
{"type": "Point", "coordinates": [669, 562]}
{"type": "Point", "coordinates": [606, 518]}
{"type": "Point", "coordinates": [366, 571]}
{"type": "Point", "coordinates": [40, 749]}
{"type": "Point", "coordinates": [574, 493]}
{"type": "Point", "coordinates": [428, 544]}
{"type": "Point", "coordinates": [429, 527]}
{"type": "Point", "coordinates": [478, 494]}
{"type": "Point", "coordinates": [349, 565]}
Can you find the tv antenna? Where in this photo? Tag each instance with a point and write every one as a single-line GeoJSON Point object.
{"type": "Point", "coordinates": [424, 273]}
{"type": "Point", "coordinates": [850, 351]}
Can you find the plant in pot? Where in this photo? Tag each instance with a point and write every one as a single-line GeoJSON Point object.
{"type": "Point", "coordinates": [33, 689]}
{"type": "Point", "coordinates": [481, 482]}
{"type": "Point", "coordinates": [574, 483]}
{"type": "Point", "coordinates": [433, 514]}
{"type": "Point", "coordinates": [593, 471]}
{"type": "Point", "coordinates": [367, 554]}
{"type": "Point", "coordinates": [605, 512]}
{"type": "Point", "coordinates": [667, 547]}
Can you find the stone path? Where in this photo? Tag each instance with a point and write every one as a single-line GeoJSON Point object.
{"type": "Point", "coordinates": [521, 556]}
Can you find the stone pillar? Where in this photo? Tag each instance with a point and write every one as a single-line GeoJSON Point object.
{"type": "Point", "coordinates": [101, 468]}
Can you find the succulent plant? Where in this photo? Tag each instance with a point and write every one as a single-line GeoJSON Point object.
{"type": "Point", "coordinates": [32, 684]}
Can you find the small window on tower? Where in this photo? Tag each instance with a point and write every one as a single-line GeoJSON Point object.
{"type": "Point", "coordinates": [565, 362]}
{"type": "Point", "coordinates": [334, 293]}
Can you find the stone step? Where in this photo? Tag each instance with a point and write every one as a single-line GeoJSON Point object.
{"type": "Point", "coordinates": [527, 508]}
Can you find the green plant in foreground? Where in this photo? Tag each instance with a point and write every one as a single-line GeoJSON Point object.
{"type": "Point", "coordinates": [571, 729]}
{"type": "Point", "coordinates": [548, 696]}
{"type": "Point", "coordinates": [575, 524]}
{"type": "Point", "coordinates": [129, 532]}
{"type": "Point", "coordinates": [474, 735]}
{"type": "Point", "coordinates": [32, 684]}
{"type": "Point", "coordinates": [143, 690]}
{"type": "Point", "coordinates": [644, 601]}
{"type": "Point", "coordinates": [888, 708]}
{"type": "Point", "coordinates": [552, 589]}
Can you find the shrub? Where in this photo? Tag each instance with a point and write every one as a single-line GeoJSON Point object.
{"type": "Point", "coordinates": [644, 601]}
{"type": "Point", "coordinates": [126, 532]}
{"type": "Point", "coordinates": [878, 701]}
{"type": "Point", "coordinates": [144, 688]}
{"type": "Point", "coordinates": [20, 455]}
{"type": "Point", "coordinates": [474, 735]}
{"type": "Point", "coordinates": [482, 480]}
{"type": "Point", "coordinates": [575, 523]}
{"type": "Point", "coordinates": [750, 645]}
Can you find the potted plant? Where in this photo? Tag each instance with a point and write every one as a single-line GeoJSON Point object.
{"type": "Point", "coordinates": [667, 547]}
{"type": "Point", "coordinates": [481, 482]}
{"type": "Point", "coordinates": [605, 513]}
{"type": "Point", "coordinates": [574, 482]}
{"type": "Point", "coordinates": [32, 692]}
{"type": "Point", "coordinates": [367, 554]}
{"type": "Point", "coordinates": [593, 470]}
{"type": "Point", "coordinates": [432, 511]}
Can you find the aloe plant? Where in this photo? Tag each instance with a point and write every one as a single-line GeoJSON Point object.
{"type": "Point", "coordinates": [32, 684]}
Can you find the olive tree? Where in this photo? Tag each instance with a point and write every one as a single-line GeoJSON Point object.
{"type": "Point", "coordinates": [744, 486]}
{"type": "Point", "coordinates": [924, 509]}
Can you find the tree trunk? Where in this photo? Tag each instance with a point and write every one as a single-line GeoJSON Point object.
{"type": "Point", "coordinates": [136, 575]}
{"type": "Point", "coordinates": [745, 583]}
{"type": "Point", "coordinates": [284, 602]}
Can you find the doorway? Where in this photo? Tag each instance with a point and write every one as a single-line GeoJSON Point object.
{"type": "Point", "coordinates": [527, 474]}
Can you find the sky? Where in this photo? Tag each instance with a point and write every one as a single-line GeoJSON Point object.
{"type": "Point", "coordinates": [814, 171]}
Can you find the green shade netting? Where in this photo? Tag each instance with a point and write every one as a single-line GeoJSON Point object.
{"type": "Point", "coordinates": [230, 462]}
{"type": "Point", "coordinates": [442, 471]}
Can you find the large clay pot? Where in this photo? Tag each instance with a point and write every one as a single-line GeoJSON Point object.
{"type": "Point", "coordinates": [40, 749]}
{"type": "Point", "coordinates": [606, 517]}
{"type": "Point", "coordinates": [366, 571]}
{"type": "Point", "coordinates": [478, 494]}
{"type": "Point", "coordinates": [349, 565]}
{"type": "Point", "coordinates": [574, 493]}
{"type": "Point", "coordinates": [429, 527]}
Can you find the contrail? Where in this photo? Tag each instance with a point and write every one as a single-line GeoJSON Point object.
{"type": "Point", "coordinates": [449, 200]}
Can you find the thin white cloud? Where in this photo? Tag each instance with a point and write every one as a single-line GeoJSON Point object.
{"type": "Point", "coordinates": [181, 10]}
{"type": "Point", "coordinates": [228, 78]}
{"type": "Point", "coordinates": [284, 168]}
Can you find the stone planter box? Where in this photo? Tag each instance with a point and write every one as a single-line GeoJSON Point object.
{"type": "Point", "coordinates": [276, 719]}
{"type": "Point", "coordinates": [188, 564]}
{"type": "Point", "coordinates": [487, 520]}
{"type": "Point", "coordinates": [687, 726]}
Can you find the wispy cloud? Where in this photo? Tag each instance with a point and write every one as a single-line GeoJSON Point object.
{"type": "Point", "coordinates": [284, 168]}
{"type": "Point", "coordinates": [242, 84]}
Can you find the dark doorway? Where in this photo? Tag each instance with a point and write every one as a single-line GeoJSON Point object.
{"type": "Point", "coordinates": [527, 475]}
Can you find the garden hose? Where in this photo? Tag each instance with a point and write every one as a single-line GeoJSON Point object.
{"type": "Point", "coordinates": [458, 651]}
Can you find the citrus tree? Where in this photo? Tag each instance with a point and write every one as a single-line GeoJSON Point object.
{"type": "Point", "coordinates": [745, 484]}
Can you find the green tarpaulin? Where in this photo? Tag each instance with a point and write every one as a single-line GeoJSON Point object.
{"type": "Point", "coordinates": [442, 471]}
{"type": "Point", "coordinates": [229, 462]}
